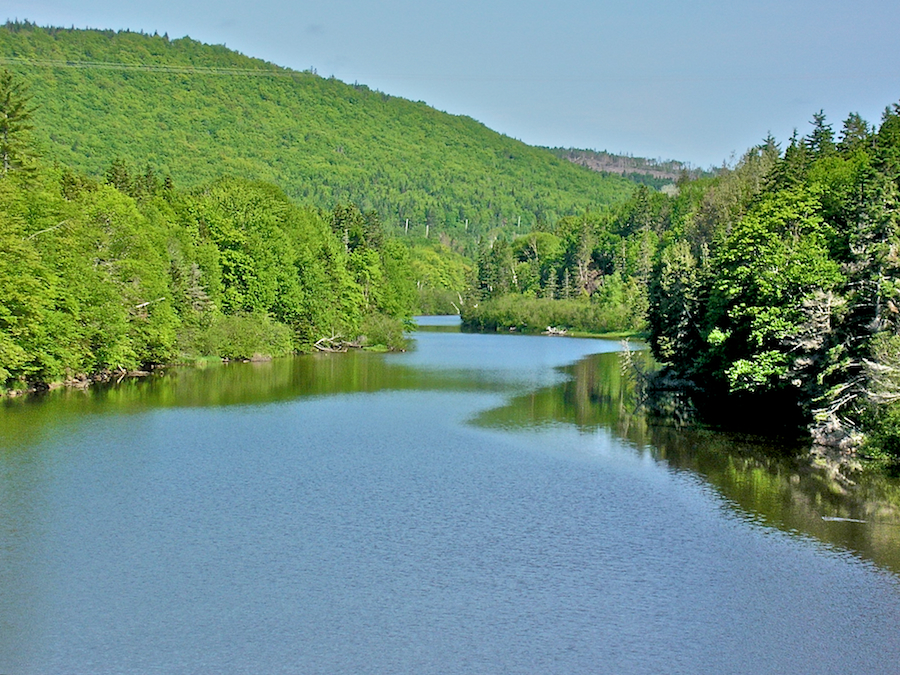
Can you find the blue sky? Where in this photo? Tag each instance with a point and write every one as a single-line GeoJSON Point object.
{"type": "Point", "coordinates": [696, 80]}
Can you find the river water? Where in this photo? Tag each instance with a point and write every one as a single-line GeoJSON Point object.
{"type": "Point", "coordinates": [480, 504]}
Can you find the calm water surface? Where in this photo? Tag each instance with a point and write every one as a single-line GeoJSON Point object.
{"type": "Point", "coordinates": [482, 504]}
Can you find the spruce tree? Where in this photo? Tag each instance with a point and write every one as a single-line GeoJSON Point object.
{"type": "Point", "coordinates": [15, 123]}
{"type": "Point", "coordinates": [821, 140]}
{"type": "Point", "coordinates": [856, 134]}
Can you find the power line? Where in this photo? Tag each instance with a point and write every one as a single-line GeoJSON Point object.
{"type": "Point", "coordinates": [192, 70]}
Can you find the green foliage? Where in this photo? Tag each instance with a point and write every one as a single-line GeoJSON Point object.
{"type": "Point", "coordinates": [674, 303]}
{"type": "Point", "coordinates": [198, 112]}
{"type": "Point", "coordinates": [599, 263]}
{"type": "Point", "coordinates": [775, 260]}
{"type": "Point", "coordinates": [441, 276]}
{"type": "Point", "coordinates": [437, 266]}
{"type": "Point", "coordinates": [881, 419]}
{"type": "Point", "coordinates": [379, 265]}
{"type": "Point", "coordinates": [437, 301]}
{"type": "Point", "coordinates": [382, 331]}
{"type": "Point", "coordinates": [22, 276]}
{"type": "Point", "coordinates": [779, 281]}
{"type": "Point", "coordinates": [248, 336]}
{"type": "Point", "coordinates": [778, 278]}
{"type": "Point", "coordinates": [15, 123]}
{"type": "Point", "coordinates": [95, 278]}
{"type": "Point", "coordinates": [613, 312]}
{"type": "Point", "coordinates": [882, 426]}
{"type": "Point", "coordinates": [99, 300]}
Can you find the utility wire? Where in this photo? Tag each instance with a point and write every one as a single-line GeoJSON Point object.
{"type": "Point", "coordinates": [187, 70]}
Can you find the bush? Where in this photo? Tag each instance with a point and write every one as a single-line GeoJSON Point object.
{"type": "Point", "coordinates": [244, 336]}
{"type": "Point", "coordinates": [379, 330]}
{"type": "Point", "coordinates": [883, 433]}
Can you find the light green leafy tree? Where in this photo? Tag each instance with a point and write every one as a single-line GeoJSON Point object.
{"type": "Point", "coordinates": [774, 263]}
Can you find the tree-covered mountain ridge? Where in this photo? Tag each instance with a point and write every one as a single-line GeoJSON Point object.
{"type": "Point", "coordinates": [196, 112]}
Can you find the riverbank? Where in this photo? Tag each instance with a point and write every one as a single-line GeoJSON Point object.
{"type": "Point", "coordinates": [77, 382]}
{"type": "Point", "coordinates": [84, 381]}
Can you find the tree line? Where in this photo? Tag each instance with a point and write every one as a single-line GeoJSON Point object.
{"type": "Point", "coordinates": [124, 272]}
{"type": "Point", "coordinates": [774, 285]}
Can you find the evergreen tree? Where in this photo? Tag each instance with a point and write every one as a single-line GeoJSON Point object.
{"type": "Point", "coordinates": [119, 176]}
{"type": "Point", "coordinates": [792, 168]}
{"type": "Point", "coordinates": [674, 312]}
{"type": "Point", "coordinates": [550, 285]}
{"type": "Point", "coordinates": [773, 265]}
{"type": "Point", "coordinates": [855, 135]}
{"type": "Point", "coordinates": [887, 143]}
{"type": "Point", "coordinates": [821, 140]}
{"type": "Point", "coordinates": [15, 123]}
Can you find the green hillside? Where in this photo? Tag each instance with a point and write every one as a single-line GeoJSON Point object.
{"type": "Point", "coordinates": [197, 112]}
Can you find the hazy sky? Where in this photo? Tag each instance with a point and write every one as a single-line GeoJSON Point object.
{"type": "Point", "coordinates": [694, 80]}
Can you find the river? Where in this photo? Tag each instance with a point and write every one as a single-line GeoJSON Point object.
{"type": "Point", "coordinates": [479, 504]}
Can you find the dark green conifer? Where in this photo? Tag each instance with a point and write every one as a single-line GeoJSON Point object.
{"type": "Point", "coordinates": [821, 140]}
{"type": "Point", "coordinates": [855, 134]}
{"type": "Point", "coordinates": [15, 123]}
{"type": "Point", "coordinates": [119, 177]}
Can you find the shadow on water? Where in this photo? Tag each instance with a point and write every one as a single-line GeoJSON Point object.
{"type": "Point", "coordinates": [772, 480]}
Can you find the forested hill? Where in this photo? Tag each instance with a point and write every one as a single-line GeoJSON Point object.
{"type": "Point", "coordinates": [196, 112]}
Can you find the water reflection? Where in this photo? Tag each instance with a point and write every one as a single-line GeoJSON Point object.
{"type": "Point", "coordinates": [770, 479]}
{"type": "Point", "coordinates": [451, 361]}
{"type": "Point", "coordinates": [26, 420]}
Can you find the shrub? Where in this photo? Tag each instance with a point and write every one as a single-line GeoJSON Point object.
{"type": "Point", "coordinates": [379, 330]}
{"type": "Point", "coordinates": [244, 336]}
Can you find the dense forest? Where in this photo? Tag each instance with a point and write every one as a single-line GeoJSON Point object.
{"type": "Point", "coordinates": [198, 112]}
{"type": "Point", "coordinates": [99, 277]}
{"type": "Point", "coordinates": [773, 286]}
